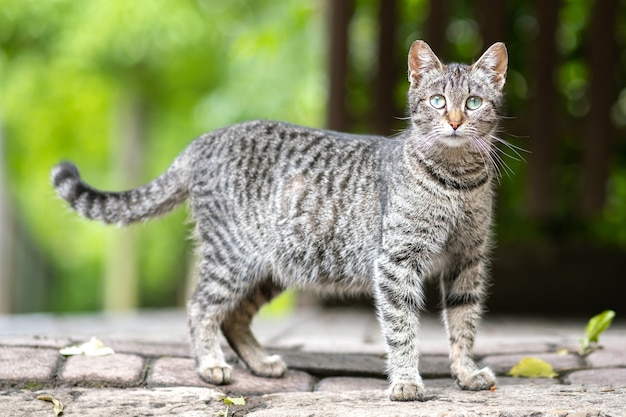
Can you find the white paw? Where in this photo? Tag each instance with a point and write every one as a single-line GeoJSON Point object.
{"type": "Point", "coordinates": [407, 391]}
{"type": "Point", "coordinates": [270, 367]}
{"type": "Point", "coordinates": [477, 380]}
{"type": "Point", "coordinates": [216, 374]}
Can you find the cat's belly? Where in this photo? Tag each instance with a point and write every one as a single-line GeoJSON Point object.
{"type": "Point", "coordinates": [331, 264]}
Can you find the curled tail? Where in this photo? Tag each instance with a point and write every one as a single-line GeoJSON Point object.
{"type": "Point", "coordinates": [153, 199]}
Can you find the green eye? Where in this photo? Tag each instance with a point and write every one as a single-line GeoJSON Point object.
{"type": "Point", "coordinates": [438, 101]}
{"type": "Point", "coordinates": [473, 103]}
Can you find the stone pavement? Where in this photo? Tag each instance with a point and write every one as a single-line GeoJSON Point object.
{"type": "Point", "coordinates": [336, 368]}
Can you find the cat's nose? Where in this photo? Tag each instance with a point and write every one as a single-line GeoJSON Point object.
{"type": "Point", "coordinates": [455, 125]}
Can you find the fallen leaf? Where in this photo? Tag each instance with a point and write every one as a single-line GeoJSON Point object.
{"type": "Point", "coordinates": [530, 367]}
{"type": "Point", "coordinates": [228, 401]}
{"type": "Point", "coordinates": [234, 401]}
{"type": "Point", "coordinates": [57, 405]}
{"type": "Point", "coordinates": [563, 351]}
{"type": "Point", "coordinates": [94, 347]}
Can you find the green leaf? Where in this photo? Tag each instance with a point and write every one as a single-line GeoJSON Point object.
{"type": "Point", "coordinates": [94, 347]}
{"type": "Point", "coordinates": [234, 401]}
{"type": "Point", "coordinates": [57, 405]}
{"type": "Point", "coordinates": [598, 324]}
{"type": "Point", "coordinates": [530, 367]}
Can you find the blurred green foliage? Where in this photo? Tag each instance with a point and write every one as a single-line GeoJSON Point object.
{"type": "Point", "coordinates": [66, 66]}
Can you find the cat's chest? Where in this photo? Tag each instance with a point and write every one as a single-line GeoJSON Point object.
{"type": "Point", "coordinates": [437, 216]}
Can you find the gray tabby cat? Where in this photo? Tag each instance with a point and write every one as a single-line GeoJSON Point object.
{"type": "Point", "coordinates": [277, 205]}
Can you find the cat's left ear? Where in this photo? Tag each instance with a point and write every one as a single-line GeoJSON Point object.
{"type": "Point", "coordinates": [494, 62]}
{"type": "Point", "coordinates": [422, 59]}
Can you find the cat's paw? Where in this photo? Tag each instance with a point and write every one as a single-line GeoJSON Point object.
{"type": "Point", "coordinates": [482, 379]}
{"type": "Point", "coordinates": [270, 367]}
{"type": "Point", "coordinates": [216, 374]}
{"type": "Point", "coordinates": [407, 391]}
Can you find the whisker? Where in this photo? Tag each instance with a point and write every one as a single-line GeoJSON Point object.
{"type": "Point", "coordinates": [484, 151]}
{"type": "Point", "coordinates": [510, 145]}
{"type": "Point", "coordinates": [515, 136]}
{"type": "Point", "coordinates": [507, 117]}
{"type": "Point", "coordinates": [494, 156]}
{"type": "Point", "coordinates": [503, 164]}
{"type": "Point", "coordinates": [516, 149]}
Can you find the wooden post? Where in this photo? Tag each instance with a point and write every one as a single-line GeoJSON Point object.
{"type": "Point", "coordinates": [340, 13]}
{"type": "Point", "coordinates": [493, 21]}
{"type": "Point", "coordinates": [543, 143]}
{"type": "Point", "coordinates": [599, 133]}
{"type": "Point", "coordinates": [434, 33]}
{"type": "Point", "coordinates": [7, 272]}
{"type": "Point", "coordinates": [122, 270]}
{"type": "Point", "coordinates": [384, 103]}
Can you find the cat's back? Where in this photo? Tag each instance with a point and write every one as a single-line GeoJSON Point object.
{"type": "Point", "coordinates": [263, 152]}
{"type": "Point", "coordinates": [274, 138]}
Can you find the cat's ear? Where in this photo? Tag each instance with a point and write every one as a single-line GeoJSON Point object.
{"type": "Point", "coordinates": [494, 62]}
{"type": "Point", "coordinates": [421, 60]}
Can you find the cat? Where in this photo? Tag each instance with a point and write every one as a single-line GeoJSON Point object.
{"type": "Point", "coordinates": [277, 205]}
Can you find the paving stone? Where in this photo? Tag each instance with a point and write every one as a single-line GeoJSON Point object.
{"type": "Point", "coordinates": [346, 383]}
{"type": "Point", "coordinates": [174, 371]}
{"type": "Point", "coordinates": [612, 376]}
{"type": "Point", "coordinates": [608, 357]}
{"type": "Point", "coordinates": [138, 402]}
{"type": "Point", "coordinates": [501, 381]}
{"type": "Point", "coordinates": [510, 401]}
{"type": "Point", "coordinates": [152, 349]}
{"type": "Point", "coordinates": [348, 389]}
{"type": "Point", "coordinates": [515, 401]}
{"type": "Point", "coordinates": [244, 383]}
{"type": "Point", "coordinates": [340, 364]}
{"type": "Point", "coordinates": [509, 380]}
{"type": "Point", "coordinates": [335, 364]}
{"type": "Point", "coordinates": [35, 341]}
{"type": "Point", "coordinates": [119, 369]}
{"type": "Point", "coordinates": [181, 371]}
{"type": "Point", "coordinates": [434, 366]}
{"type": "Point", "coordinates": [27, 364]}
{"type": "Point", "coordinates": [501, 364]}
{"type": "Point", "coordinates": [484, 349]}
{"type": "Point", "coordinates": [148, 348]}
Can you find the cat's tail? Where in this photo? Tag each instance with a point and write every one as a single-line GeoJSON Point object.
{"type": "Point", "coordinates": [153, 199]}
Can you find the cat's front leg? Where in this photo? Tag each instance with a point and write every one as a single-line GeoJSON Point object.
{"type": "Point", "coordinates": [399, 297]}
{"type": "Point", "coordinates": [463, 291]}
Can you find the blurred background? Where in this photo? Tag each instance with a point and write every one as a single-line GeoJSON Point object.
{"type": "Point", "coordinates": [122, 87]}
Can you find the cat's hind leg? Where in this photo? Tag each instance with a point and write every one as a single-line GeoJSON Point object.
{"type": "Point", "coordinates": [204, 324]}
{"type": "Point", "coordinates": [216, 294]}
{"type": "Point", "coordinates": [463, 293]}
{"type": "Point", "coordinates": [236, 328]}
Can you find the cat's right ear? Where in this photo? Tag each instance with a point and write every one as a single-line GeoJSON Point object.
{"type": "Point", "coordinates": [421, 60]}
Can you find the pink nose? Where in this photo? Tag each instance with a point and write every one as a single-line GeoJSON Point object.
{"type": "Point", "coordinates": [455, 125]}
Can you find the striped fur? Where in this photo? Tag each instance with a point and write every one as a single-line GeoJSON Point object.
{"type": "Point", "coordinates": [277, 205]}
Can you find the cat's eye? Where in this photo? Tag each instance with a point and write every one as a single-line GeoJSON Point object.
{"type": "Point", "coordinates": [473, 103]}
{"type": "Point", "coordinates": [438, 101]}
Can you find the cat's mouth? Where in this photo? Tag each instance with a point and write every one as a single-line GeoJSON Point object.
{"type": "Point", "coordinates": [454, 139]}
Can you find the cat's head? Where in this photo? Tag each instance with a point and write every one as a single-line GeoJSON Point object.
{"type": "Point", "coordinates": [455, 104]}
